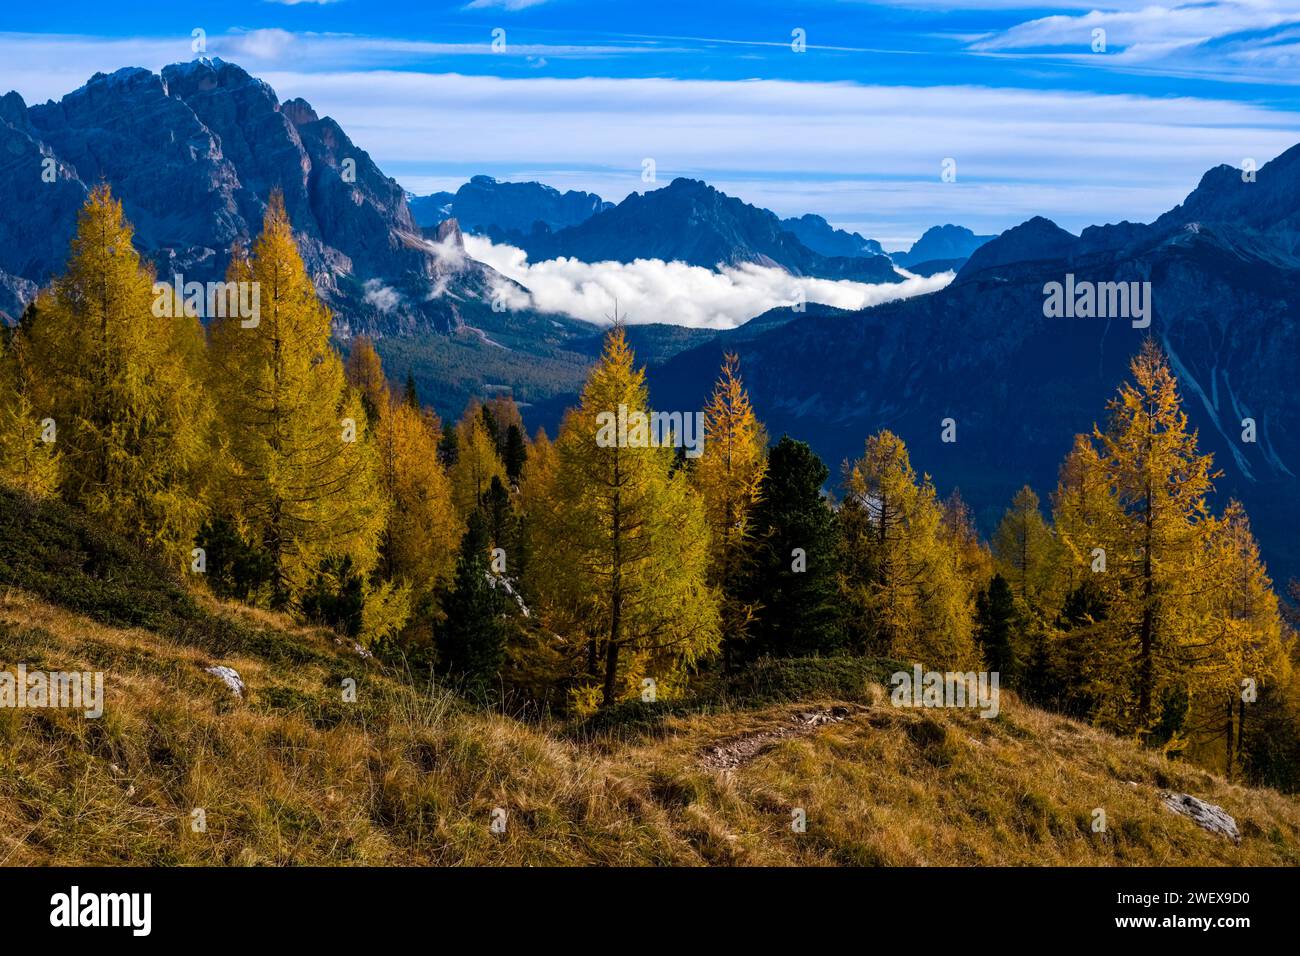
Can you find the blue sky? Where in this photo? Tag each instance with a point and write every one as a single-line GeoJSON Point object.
{"type": "Point", "coordinates": [856, 127]}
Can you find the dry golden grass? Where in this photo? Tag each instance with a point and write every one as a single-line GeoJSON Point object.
{"type": "Point", "coordinates": [292, 775]}
{"type": "Point", "coordinates": [939, 787]}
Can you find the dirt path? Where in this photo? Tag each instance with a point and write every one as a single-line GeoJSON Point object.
{"type": "Point", "coordinates": [740, 750]}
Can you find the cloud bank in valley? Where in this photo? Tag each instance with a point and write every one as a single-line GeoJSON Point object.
{"type": "Point", "coordinates": [652, 290]}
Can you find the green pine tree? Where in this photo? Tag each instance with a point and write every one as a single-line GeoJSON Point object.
{"type": "Point", "coordinates": [472, 644]}
{"type": "Point", "coordinates": [792, 577]}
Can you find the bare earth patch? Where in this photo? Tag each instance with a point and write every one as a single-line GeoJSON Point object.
{"type": "Point", "coordinates": [741, 750]}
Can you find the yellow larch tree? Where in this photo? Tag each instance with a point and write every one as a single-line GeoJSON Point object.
{"type": "Point", "coordinates": [114, 366]}
{"type": "Point", "coordinates": [1161, 481]}
{"type": "Point", "coordinates": [301, 475]}
{"type": "Point", "coordinates": [728, 476]}
{"type": "Point", "coordinates": [1025, 551]}
{"type": "Point", "coordinates": [422, 532]}
{"type": "Point", "coordinates": [1241, 652]}
{"type": "Point", "coordinates": [898, 574]}
{"type": "Point", "coordinates": [477, 461]}
{"type": "Point", "coordinates": [29, 460]}
{"type": "Point", "coordinates": [365, 373]}
{"type": "Point", "coordinates": [626, 544]}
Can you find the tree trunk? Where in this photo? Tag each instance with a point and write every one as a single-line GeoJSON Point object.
{"type": "Point", "coordinates": [1145, 676]}
{"type": "Point", "coordinates": [616, 592]}
{"type": "Point", "coordinates": [1228, 743]}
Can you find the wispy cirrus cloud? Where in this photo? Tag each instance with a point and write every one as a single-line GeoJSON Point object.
{"type": "Point", "coordinates": [867, 156]}
{"type": "Point", "coordinates": [47, 65]}
{"type": "Point", "coordinates": [1232, 39]}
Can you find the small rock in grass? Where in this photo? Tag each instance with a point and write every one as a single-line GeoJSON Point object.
{"type": "Point", "coordinates": [1204, 815]}
{"type": "Point", "coordinates": [230, 677]}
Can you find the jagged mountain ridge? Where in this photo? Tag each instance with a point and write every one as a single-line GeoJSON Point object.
{"type": "Point", "coordinates": [529, 213]}
{"type": "Point", "coordinates": [194, 152]}
{"type": "Point", "coordinates": [691, 221]}
{"type": "Point", "coordinates": [1225, 292]}
{"type": "Point", "coordinates": [506, 210]}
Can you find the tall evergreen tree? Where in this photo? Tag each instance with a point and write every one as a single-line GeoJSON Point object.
{"type": "Point", "coordinates": [791, 578]}
{"type": "Point", "coordinates": [472, 641]}
{"type": "Point", "coordinates": [516, 453]}
{"type": "Point", "coordinates": [449, 445]}
{"type": "Point", "coordinates": [496, 509]}
{"type": "Point", "coordinates": [995, 623]}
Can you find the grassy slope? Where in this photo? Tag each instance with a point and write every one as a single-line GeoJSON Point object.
{"type": "Point", "coordinates": [292, 775]}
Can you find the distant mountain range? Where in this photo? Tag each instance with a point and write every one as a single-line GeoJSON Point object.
{"type": "Point", "coordinates": [687, 221]}
{"type": "Point", "coordinates": [195, 151]}
{"type": "Point", "coordinates": [506, 210]}
{"type": "Point", "coordinates": [1224, 269]}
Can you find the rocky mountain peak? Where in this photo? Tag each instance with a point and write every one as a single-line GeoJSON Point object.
{"type": "Point", "coordinates": [13, 110]}
{"type": "Point", "coordinates": [449, 232]}
{"type": "Point", "coordinates": [1034, 240]}
{"type": "Point", "coordinates": [299, 112]}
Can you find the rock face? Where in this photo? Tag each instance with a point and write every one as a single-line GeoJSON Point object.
{"type": "Point", "coordinates": [1204, 815]}
{"type": "Point", "coordinates": [692, 222]}
{"type": "Point", "coordinates": [40, 194]}
{"type": "Point", "coordinates": [194, 154]}
{"type": "Point", "coordinates": [503, 209]}
{"type": "Point", "coordinates": [430, 210]}
{"type": "Point", "coordinates": [822, 238]}
{"type": "Point", "coordinates": [941, 243]}
{"type": "Point", "coordinates": [1225, 293]}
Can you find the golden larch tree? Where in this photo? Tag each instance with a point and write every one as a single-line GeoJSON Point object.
{"type": "Point", "coordinates": [899, 576]}
{"type": "Point", "coordinates": [1161, 480]}
{"type": "Point", "coordinates": [728, 476]}
{"type": "Point", "coordinates": [626, 541]}
{"type": "Point", "coordinates": [477, 461]}
{"type": "Point", "coordinates": [114, 366]}
{"type": "Point", "coordinates": [29, 460]}
{"type": "Point", "coordinates": [301, 471]}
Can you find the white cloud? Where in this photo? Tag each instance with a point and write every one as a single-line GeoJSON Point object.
{"type": "Point", "coordinates": [44, 66]}
{"type": "Point", "coordinates": [1156, 26]}
{"type": "Point", "coordinates": [1226, 39]}
{"type": "Point", "coordinates": [382, 297]}
{"type": "Point", "coordinates": [651, 290]}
